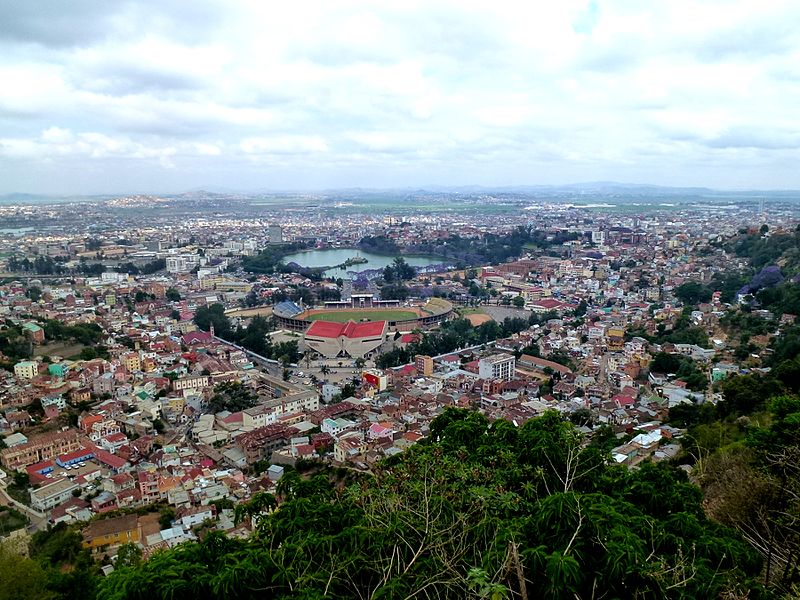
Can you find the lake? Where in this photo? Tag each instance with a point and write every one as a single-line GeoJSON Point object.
{"type": "Point", "coordinates": [325, 258]}
{"type": "Point", "coordinates": [15, 230]}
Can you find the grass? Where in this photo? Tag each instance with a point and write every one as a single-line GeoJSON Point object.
{"type": "Point", "coordinates": [471, 311]}
{"type": "Point", "coordinates": [340, 316]}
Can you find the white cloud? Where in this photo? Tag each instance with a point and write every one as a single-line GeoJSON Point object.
{"type": "Point", "coordinates": [360, 93]}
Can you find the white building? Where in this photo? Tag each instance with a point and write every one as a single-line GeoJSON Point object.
{"type": "Point", "coordinates": [182, 263]}
{"type": "Point", "coordinates": [497, 366]}
{"type": "Point", "coordinates": [52, 494]}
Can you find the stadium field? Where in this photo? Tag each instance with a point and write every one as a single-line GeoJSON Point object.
{"type": "Point", "coordinates": [340, 316]}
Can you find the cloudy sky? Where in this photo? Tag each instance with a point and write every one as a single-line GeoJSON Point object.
{"type": "Point", "coordinates": [114, 96]}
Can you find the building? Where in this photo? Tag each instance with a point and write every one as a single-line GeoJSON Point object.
{"type": "Point", "coordinates": [260, 443]}
{"type": "Point", "coordinates": [375, 378]}
{"type": "Point", "coordinates": [192, 382]}
{"type": "Point", "coordinates": [182, 263]}
{"type": "Point", "coordinates": [275, 234]}
{"type": "Point", "coordinates": [132, 361]}
{"type": "Point", "coordinates": [424, 365]}
{"type": "Point", "coordinates": [349, 339]}
{"type": "Point", "coordinates": [44, 447]}
{"type": "Point", "coordinates": [219, 282]}
{"type": "Point", "coordinates": [497, 366]}
{"type": "Point", "coordinates": [52, 494]}
{"type": "Point", "coordinates": [112, 532]}
{"type": "Point", "coordinates": [34, 332]}
{"type": "Point", "coordinates": [59, 369]}
{"type": "Point", "coordinates": [26, 369]}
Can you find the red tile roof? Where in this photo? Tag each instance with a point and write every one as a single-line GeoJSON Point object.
{"type": "Point", "coordinates": [115, 462]}
{"type": "Point", "coordinates": [77, 454]}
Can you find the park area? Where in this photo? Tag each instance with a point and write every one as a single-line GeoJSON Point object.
{"type": "Point", "coordinates": [340, 316]}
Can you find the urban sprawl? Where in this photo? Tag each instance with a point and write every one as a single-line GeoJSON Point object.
{"type": "Point", "coordinates": [163, 363]}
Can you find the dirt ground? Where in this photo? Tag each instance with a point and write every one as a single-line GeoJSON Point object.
{"type": "Point", "coordinates": [477, 319]}
{"type": "Point", "coordinates": [62, 349]}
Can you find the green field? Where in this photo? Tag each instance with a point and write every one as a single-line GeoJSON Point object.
{"type": "Point", "coordinates": [340, 316]}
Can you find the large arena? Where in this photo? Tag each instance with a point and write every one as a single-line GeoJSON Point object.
{"type": "Point", "coordinates": [361, 308]}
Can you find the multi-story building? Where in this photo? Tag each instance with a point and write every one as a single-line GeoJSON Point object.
{"type": "Point", "coordinates": [424, 365]}
{"type": "Point", "coordinates": [26, 369]}
{"type": "Point", "coordinates": [275, 234]}
{"type": "Point", "coordinates": [132, 361]}
{"type": "Point", "coordinates": [182, 263]}
{"type": "Point", "coordinates": [497, 366]}
{"type": "Point", "coordinates": [112, 532]}
{"type": "Point", "coordinates": [44, 447]}
{"type": "Point", "coordinates": [260, 443]}
{"type": "Point", "coordinates": [194, 382]}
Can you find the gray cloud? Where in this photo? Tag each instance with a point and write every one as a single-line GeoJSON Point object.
{"type": "Point", "coordinates": [355, 93]}
{"type": "Point", "coordinates": [54, 23]}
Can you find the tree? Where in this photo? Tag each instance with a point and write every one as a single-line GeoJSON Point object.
{"type": "Point", "coordinates": [214, 315]}
{"type": "Point", "coordinates": [166, 516]}
{"type": "Point", "coordinates": [540, 515]}
{"type": "Point", "coordinates": [22, 578]}
{"type": "Point", "coordinates": [518, 301]}
{"type": "Point", "coordinates": [21, 479]}
{"type": "Point", "coordinates": [348, 390]}
{"type": "Point", "coordinates": [693, 293]}
{"type": "Point", "coordinates": [173, 295]}
{"type": "Point", "coordinates": [158, 425]}
{"type": "Point", "coordinates": [232, 397]}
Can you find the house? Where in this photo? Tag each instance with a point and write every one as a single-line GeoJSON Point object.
{"type": "Point", "coordinates": [349, 446]}
{"type": "Point", "coordinates": [112, 532]}
{"type": "Point", "coordinates": [195, 515]}
{"type": "Point", "coordinates": [104, 502]}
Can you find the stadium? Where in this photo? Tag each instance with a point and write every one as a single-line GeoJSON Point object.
{"type": "Point", "coordinates": [365, 308]}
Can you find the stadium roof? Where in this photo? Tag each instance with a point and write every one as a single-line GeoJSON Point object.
{"type": "Point", "coordinates": [287, 308]}
{"type": "Point", "coordinates": [351, 330]}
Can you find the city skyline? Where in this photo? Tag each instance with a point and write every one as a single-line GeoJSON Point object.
{"type": "Point", "coordinates": [131, 97]}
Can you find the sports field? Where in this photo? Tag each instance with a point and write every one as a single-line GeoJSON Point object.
{"type": "Point", "coordinates": [340, 316]}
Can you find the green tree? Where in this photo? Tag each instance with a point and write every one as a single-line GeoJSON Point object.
{"type": "Point", "coordinates": [231, 396]}
{"type": "Point", "coordinates": [166, 516]}
{"type": "Point", "coordinates": [214, 315]}
{"type": "Point", "coordinates": [692, 293]}
{"type": "Point", "coordinates": [128, 555]}
{"type": "Point", "coordinates": [22, 578]}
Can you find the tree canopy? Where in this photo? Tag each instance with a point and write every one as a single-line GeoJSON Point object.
{"type": "Point", "coordinates": [480, 507]}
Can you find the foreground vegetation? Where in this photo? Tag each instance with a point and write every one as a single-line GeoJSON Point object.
{"type": "Point", "coordinates": [482, 510]}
